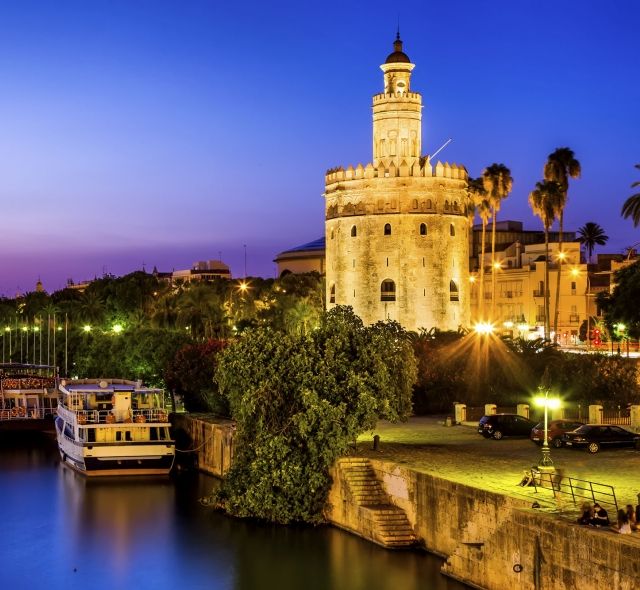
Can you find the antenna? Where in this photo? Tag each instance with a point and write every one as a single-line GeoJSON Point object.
{"type": "Point", "coordinates": [444, 145]}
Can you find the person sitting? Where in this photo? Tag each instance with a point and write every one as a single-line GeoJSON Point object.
{"type": "Point", "coordinates": [623, 526]}
{"type": "Point", "coordinates": [587, 514]}
{"type": "Point", "coordinates": [600, 516]}
{"type": "Point", "coordinates": [631, 515]}
{"type": "Point", "coordinates": [527, 479]}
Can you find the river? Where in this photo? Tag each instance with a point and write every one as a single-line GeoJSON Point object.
{"type": "Point", "coordinates": [61, 530]}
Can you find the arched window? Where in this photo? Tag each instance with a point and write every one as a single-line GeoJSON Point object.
{"type": "Point", "coordinates": [332, 294]}
{"type": "Point", "coordinates": [332, 234]}
{"type": "Point", "coordinates": [453, 291]}
{"type": "Point", "coordinates": [452, 230]}
{"type": "Point", "coordinates": [387, 229]}
{"type": "Point", "coordinates": [455, 206]}
{"type": "Point", "coordinates": [423, 229]}
{"type": "Point", "coordinates": [429, 204]}
{"type": "Point", "coordinates": [354, 231]}
{"type": "Point", "coordinates": [388, 290]}
{"type": "Point", "coordinates": [446, 205]}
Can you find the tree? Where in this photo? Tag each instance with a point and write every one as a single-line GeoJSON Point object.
{"type": "Point", "coordinates": [299, 400]}
{"type": "Point", "coordinates": [543, 200]}
{"type": "Point", "coordinates": [631, 207]}
{"type": "Point", "coordinates": [482, 207]}
{"type": "Point", "coordinates": [590, 235]}
{"type": "Point", "coordinates": [621, 306]}
{"type": "Point", "coordinates": [498, 182]}
{"type": "Point", "coordinates": [561, 165]}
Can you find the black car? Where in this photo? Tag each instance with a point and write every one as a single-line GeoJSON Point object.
{"type": "Point", "coordinates": [499, 425]}
{"type": "Point", "coordinates": [597, 436]}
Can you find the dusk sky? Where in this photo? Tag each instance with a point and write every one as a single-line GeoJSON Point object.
{"type": "Point", "coordinates": [166, 132]}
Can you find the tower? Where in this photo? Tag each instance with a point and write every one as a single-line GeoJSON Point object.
{"type": "Point", "coordinates": [397, 233]}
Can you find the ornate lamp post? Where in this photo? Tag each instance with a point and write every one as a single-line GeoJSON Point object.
{"type": "Point", "coordinates": [547, 402]}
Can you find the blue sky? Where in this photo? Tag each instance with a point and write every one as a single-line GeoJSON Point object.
{"type": "Point", "coordinates": [166, 132]}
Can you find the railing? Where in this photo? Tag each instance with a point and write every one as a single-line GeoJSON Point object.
{"type": "Point", "coordinates": [580, 489]}
{"type": "Point", "coordinates": [574, 318]}
{"type": "Point", "coordinates": [108, 417]}
{"type": "Point", "coordinates": [618, 417]}
{"type": "Point", "coordinates": [474, 414]}
{"type": "Point", "coordinates": [538, 293]}
{"type": "Point", "coordinates": [539, 318]}
{"type": "Point", "coordinates": [22, 413]}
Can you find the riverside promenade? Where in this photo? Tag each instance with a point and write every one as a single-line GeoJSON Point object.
{"type": "Point", "coordinates": [458, 453]}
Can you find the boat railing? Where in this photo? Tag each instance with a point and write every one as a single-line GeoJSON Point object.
{"type": "Point", "coordinates": [135, 416]}
{"type": "Point", "coordinates": [22, 413]}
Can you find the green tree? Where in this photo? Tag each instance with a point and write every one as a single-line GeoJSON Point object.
{"type": "Point", "coordinates": [631, 207]}
{"type": "Point", "coordinates": [560, 166]}
{"type": "Point", "coordinates": [591, 235]}
{"type": "Point", "coordinates": [299, 400]}
{"type": "Point", "coordinates": [543, 201]}
{"type": "Point", "coordinates": [621, 306]}
{"type": "Point", "coordinates": [498, 182]}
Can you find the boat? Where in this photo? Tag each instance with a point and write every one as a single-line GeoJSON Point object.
{"type": "Point", "coordinates": [114, 427]}
{"type": "Point", "coordinates": [28, 396]}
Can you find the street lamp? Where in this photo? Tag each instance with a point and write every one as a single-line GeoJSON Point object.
{"type": "Point", "coordinates": [483, 328]}
{"type": "Point", "coordinates": [546, 402]}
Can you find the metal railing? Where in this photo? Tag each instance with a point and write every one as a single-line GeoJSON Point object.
{"type": "Point", "coordinates": [578, 489]}
{"type": "Point", "coordinates": [89, 417]}
{"type": "Point", "coordinates": [618, 417]}
{"type": "Point", "coordinates": [22, 413]}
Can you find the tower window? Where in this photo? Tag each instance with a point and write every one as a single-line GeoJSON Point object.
{"type": "Point", "coordinates": [388, 290]}
{"type": "Point", "coordinates": [446, 205]}
{"type": "Point", "coordinates": [387, 229]}
{"type": "Point", "coordinates": [455, 206]}
{"type": "Point", "coordinates": [354, 232]}
{"type": "Point", "coordinates": [429, 204]}
{"type": "Point", "coordinates": [452, 230]}
{"type": "Point", "coordinates": [332, 234]}
{"type": "Point", "coordinates": [453, 292]}
{"type": "Point", "coordinates": [332, 294]}
{"type": "Point", "coordinates": [423, 229]}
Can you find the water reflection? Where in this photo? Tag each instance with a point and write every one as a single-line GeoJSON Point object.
{"type": "Point", "coordinates": [62, 530]}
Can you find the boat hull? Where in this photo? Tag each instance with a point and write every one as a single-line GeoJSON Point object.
{"type": "Point", "coordinates": [101, 467]}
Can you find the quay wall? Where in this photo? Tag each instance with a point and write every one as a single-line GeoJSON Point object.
{"type": "Point", "coordinates": [489, 540]}
{"type": "Point", "coordinates": [207, 438]}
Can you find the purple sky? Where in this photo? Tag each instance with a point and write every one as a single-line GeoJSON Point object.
{"type": "Point", "coordinates": [166, 132]}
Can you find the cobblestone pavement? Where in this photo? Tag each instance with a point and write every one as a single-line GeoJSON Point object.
{"type": "Point", "coordinates": [459, 453]}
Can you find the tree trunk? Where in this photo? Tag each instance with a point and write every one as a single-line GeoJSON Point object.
{"type": "Point", "coordinates": [493, 266]}
{"type": "Point", "coordinates": [546, 284]}
{"type": "Point", "coordinates": [481, 290]}
{"type": "Point", "coordinates": [556, 310]}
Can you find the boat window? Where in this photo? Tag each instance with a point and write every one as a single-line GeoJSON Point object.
{"type": "Point", "coordinates": [118, 435]}
{"type": "Point", "coordinates": [127, 435]}
{"type": "Point", "coordinates": [68, 431]}
{"type": "Point", "coordinates": [153, 433]}
{"type": "Point", "coordinates": [91, 434]}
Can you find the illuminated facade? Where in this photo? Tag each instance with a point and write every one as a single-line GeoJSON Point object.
{"type": "Point", "coordinates": [396, 229]}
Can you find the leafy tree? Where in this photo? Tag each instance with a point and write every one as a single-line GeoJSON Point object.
{"type": "Point", "coordinates": [190, 374]}
{"type": "Point", "coordinates": [543, 201]}
{"type": "Point", "coordinates": [621, 306]}
{"type": "Point", "coordinates": [498, 182]}
{"type": "Point", "coordinates": [560, 166]}
{"type": "Point", "coordinates": [631, 207]}
{"type": "Point", "coordinates": [591, 235]}
{"type": "Point", "coordinates": [299, 399]}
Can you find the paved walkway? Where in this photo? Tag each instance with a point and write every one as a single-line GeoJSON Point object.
{"type": "Point", "coordinates": [459, 453]}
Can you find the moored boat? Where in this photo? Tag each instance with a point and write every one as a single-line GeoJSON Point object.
{"type": "Point", "coordinates": [114, 427]}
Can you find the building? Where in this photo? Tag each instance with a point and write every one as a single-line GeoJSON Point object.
{"type": "Point", "coordinates": [309, 257]}
{"type": "Point", "coordinates": [396, 229]}
{"type": "Point", "coordinates": [204, 270]}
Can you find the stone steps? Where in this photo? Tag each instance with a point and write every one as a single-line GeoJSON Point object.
{"type": "Point", "coordinates": [391, 528]}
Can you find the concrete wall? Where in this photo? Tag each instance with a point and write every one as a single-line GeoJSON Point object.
{"type": "Point", "coordinates": [483, 535]}
{"type": "Point", "coordinates": [211, 439]}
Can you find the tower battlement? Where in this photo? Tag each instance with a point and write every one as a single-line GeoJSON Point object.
{"type": "Point", "coordinates": [391, 170]}
{"type": "Point", "coordinates": [404, 96]}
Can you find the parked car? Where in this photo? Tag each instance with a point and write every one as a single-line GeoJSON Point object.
{"type": "Point", "coordinates": [597, 436]}
{"type": "Point", "coordinates": [500, 425]}
{"type": "Point", "coordinates": [555, 430]}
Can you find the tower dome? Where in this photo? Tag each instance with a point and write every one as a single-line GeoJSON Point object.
{"type": "Point", "coordinates": [398, 56]}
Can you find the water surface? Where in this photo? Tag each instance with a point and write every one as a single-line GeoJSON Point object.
{"type": "Point", "coordinates": [62, 530]}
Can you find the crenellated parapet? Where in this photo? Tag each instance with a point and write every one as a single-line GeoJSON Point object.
{"type": "Point", "coordinates": [415, 97]}
{"type": "Point", "coordinates": [393, 170]}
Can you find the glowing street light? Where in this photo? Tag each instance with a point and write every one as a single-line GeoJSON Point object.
{"type": "Point", "coordinates": [86, 328]}
{"type": "Point", "coordinates": [497, 265]}
{"type": "Point", "coordinates": [243, 286]}
{"type": "Point", "coordinates": [546, 402]}
{"type": "Point", "coordinates": [117, 328]}
{"type": "Point", "coordinates": [562, 256]}
{"type": "Point", "coordinates": [483, 328]}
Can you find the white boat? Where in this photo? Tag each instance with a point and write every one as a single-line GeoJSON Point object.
{"type": "Point", "coordinates": [114, 427]}
{"type": "Point", "coordinates": [28, 396]}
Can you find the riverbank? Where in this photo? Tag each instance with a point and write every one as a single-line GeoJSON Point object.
{"type": "Point", "coordinates": [459, 494]}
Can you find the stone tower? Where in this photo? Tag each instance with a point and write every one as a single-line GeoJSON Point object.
{"type": "Point", "coordinates": [397, 233]}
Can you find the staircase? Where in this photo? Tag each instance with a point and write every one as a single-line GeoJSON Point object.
{"type": "Point", "coordinates": [388, 524]}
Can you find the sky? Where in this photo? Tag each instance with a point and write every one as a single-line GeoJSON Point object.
{"type": "Point", "coordinates": [139, 133]}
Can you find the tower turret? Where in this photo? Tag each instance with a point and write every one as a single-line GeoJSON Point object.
{"type": "Point", "coordinates": [397, 112]}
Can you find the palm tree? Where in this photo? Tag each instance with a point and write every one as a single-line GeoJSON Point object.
{"type": "Point", "coordinates": [543, 201]}
{"type": "Point", "coordinates": [631, 207]}
{"type": "Point", "coordinates": [591, 234]}
{"type": "Point", "coordinates": [498, 182]}
{"type": "Point", "coordinates": [561, 165]}
{"type": "Point", "coordinates": [481, 206]}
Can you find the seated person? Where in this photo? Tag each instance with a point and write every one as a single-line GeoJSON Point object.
{"type": "Point", "coordinates": [587, 514]}
{"type": "Point", "coordinates": [600, 516]}
{"type": "Point", "coordinates": [623, 526]}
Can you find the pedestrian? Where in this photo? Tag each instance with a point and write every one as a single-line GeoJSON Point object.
{"type": "Point", "coordinates": [623, 526]}
{"type": "Point", "coordinates": [587, 514]}
{"type": "Point", "coordinates": [631, 515]}
{"type": "Point", "coordinates": [600, 516]}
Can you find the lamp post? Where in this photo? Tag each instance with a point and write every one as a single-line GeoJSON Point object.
{"type": "Point", "coordinates": [547, 402]}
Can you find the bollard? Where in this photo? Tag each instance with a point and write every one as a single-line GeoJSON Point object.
{"type": "Point", "coordinates": [448, 421]}
{"type": "Point", "coordinates": [376, 442]}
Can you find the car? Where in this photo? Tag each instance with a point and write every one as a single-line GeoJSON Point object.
{"type": "Point", "coordinates": [599, 436]}
{"type": "Point", "coordinates": [555, 430]}
{"type": "Point", "coordinates": [498, 426]}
